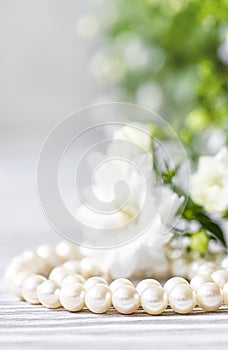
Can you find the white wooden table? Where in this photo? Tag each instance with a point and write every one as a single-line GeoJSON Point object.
{"type": "Point", "coordinates": [25, 326]}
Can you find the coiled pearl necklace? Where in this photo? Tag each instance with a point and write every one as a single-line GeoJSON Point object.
{"type": "Point", "coordinates": [63, 277]}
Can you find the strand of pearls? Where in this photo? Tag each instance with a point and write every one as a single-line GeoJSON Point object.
{"type": "Point", "coordinates": [63, 277]}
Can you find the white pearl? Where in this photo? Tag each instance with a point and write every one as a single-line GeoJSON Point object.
{"type": "Point", "coordinates": [179, 267]}
{"type": "Point", "coordinates": [207, 268]}
{"type": "Point", "coordinates": [194, 268]}
{"type": "Point", "coordinates": [88, 267]}
{"type": "Point", "coordinates": [49, 254]}
{"type": "Point", "coordinates": [94, 280]}
{"type": "Point", "coordinates": [125, 299]}
{"type": "Point", "coordinates": [224, 263]}
{"type": "Point", "coordinates": [172, 282]}
{"type": "Point", "coordinates": [120, 282]}
{"type": "Point", "coordinates": [18, 263]}
{"type": "Point", "coordinates": [68, 251]}
{"type": "Point", "coordinates": [220, 277]}
{"type": "Point", "coordinates": [58, 274]}
{"type": "Point", "coordinates": [154, 299]}
{"type": "Point", "coordinates": [71, 279]}
{"type": "Point", "coordinates": [149, 282]}
{"type": "Point", "coordinates": [17, 283]}
{"type": "Point", "coordinates": [29, 288]}
{"type": "Point", "coordinates": [225, 293]}
{"type": "Point", "coordinates": [11, 273]}
{"type": "Point", "coordinates": [72, 297]}
{"type": "Point", "coordinates": [34, 263]}
{"type": "Point", "coordinates": [98, 298]}
{"type": "Point", "coordinates": [182, 298]}
{"type": "Point", "coordinates": [199, 280]}
{"type": "Point", "coordinates": [29, 257]}
{"type": "Point", "coordinates": [48, 294]}
{"type": "Point", "coordinates": [209, 296]}
{"type": "Point", "coordinates": [72, 266]}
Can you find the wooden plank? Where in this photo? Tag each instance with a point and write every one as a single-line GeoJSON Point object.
{"type": "Point", "coordinates": [23, 325]}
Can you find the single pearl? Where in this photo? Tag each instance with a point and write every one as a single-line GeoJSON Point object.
{"type": "Point", "coordinates": [88, 267]}
{"type": "Point", "coordinates": [34, 263]}
{"type": "Point", "coordinates": [154, 299]}
{"type": "Point", "coordinates": [224, 263]}
{"type": "Point", "coordinates": [120, 282]}
{"type": "Point", "coordinates": [17, 283]}
{"type": "Point", "coordinates": [72, 266]}
{"type": "Point", "coordinates": [207, 268]}
{"type": "Point", "coordinates": [94, 280]}
{"type": "Point", "coordinates": [48, 294]}
{"type": "Point", "coordinates": [182, 298]}
{"type": "Point", "coordinates": [149, 282]}
{"type": "Point", "coordinates": [209, 296]}
{"type": "Point", "coordinates": [29, 257]}
{"type": "Point", "coordinates": [225, 293]}
{"type": "Point", "coordinates": [72, 296]}
{"type": "Point", "coordinates": [98, 298]}
{"type": "Point", "coordinates": [49, 254]}
{"type": "Point", "coordinates": [125, 299]}
{"type": "Point", "coordinates": [199, 280]}
{"type": "Point", "coordinates": [18, 263]}
{"type": "Point", "coordinates": [11, 273]}
{"type": "Point", "coordinates": [194, 268]}
{"type": "Point", "coordinates": [220, 277]}
{"type": "Point", "coordinates": [58, 274]}
{"type": "Point", "coordinates": [72, 278]}
{"type": "Point", "coordinates": [68, 251]}
{"type": "Point", "coordinates": [29, 288]}
{"type": "Point", "coordinates": [172, 282]}
{"type": "Point", "coordinates": [180, 267]}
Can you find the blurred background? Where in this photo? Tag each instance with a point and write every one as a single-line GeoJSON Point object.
{"type": "Point", "coordinates": [56, 56]}
{"type": "Point", "coordinates": [44, 77]}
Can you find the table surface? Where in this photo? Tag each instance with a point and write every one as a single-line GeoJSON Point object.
{"type": "Point", "coordinates": [25, 326]}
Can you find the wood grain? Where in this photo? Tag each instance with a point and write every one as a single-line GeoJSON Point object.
{"type": "Point", "coordinates": [25, 326]}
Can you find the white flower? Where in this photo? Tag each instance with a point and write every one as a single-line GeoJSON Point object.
{"type": "Point", "coordinates": [142, 257]}
{"type": "Point", "coordinates": [118, 193]}
{"type": "Point", "coordinates": [136, 133]}
{"type": "Point", "coordinates": [209, 185]}
{"type": "Point", "coordinates": [149, 209]}
{"type": "Point", "coordinates": [145, 255]}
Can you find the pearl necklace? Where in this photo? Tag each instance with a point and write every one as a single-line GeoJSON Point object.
{"type": "Point", "coordinates": [63, 277]}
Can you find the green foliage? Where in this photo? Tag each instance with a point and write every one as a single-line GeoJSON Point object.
{"type": "Point", "coordinates": [182, 39]}
{"type": "Point", "coordinates": [199, 242]}
{"type": "Point", "coordinates": [177, 47]}
{"type": "Point", "coordinates": [191, 212]}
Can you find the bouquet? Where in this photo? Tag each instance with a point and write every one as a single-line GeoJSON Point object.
{"type": "Point", "coordinates": [185, 227]}
{"type": "Point", "coordinates": [159, 55]}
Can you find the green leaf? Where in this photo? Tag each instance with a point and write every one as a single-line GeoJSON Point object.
{"type": "Point", "coordinates": [211, 226]}
{"type": "Point", "coordinates": [225, 215]}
